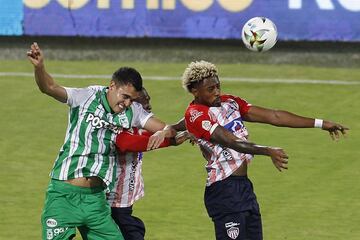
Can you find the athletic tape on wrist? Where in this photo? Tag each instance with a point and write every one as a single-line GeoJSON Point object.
{"type": "Point", "coordinates": [318, 123]}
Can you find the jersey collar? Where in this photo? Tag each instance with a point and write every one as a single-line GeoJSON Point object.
{"type": "Point", "coordinates": [104, 100]}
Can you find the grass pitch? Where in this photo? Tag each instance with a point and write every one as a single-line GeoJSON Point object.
{"type": "Point", "coordinates": [317, 198]}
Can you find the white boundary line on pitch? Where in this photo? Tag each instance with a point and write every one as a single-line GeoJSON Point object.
{"type": "Point", "coordinates": [164, 78]}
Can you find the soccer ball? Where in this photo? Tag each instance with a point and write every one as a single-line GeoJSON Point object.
{"type": "Point", "coordinates": [259, 34]}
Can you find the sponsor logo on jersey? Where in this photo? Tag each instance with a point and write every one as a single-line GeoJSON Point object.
{"type": "Point", "coordinates": [134, 164]}
{"type": "Point", "coordinates": [51, 222]}
{"type": "Point", "coordinates": [227, 155]}
{"type": "Point", "coordinates": [206, 125]}
{"type": "Point", "coordinates": [232, 231]}
{"type": "Point", "coordinates": [97, 122]}
{"type": "Point", "coordinates": [49, 234]}
{"type": "Point", "coordinates": [53, 232]}
{"type": "Point", "coordinates": [194, 114]}
{"type": "Point", "coordinates": [235, 126]}
{"type": "Point", "coordinates": [233, 106]}
{"type": "Point", "coordinates": [231, 224]}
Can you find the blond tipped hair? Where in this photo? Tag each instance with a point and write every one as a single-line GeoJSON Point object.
{"type": "Point", "coordinates": [197, 71]}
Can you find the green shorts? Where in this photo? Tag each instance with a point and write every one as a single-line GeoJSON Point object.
{"type": "Point", "coordinates": [67, 207]}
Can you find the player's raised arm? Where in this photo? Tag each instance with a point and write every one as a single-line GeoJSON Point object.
{"type": "Point", "coordinates": [44, 81]}
{"type": "Point", "coordinates": [225, 138]}
{"type": "Point", "coordinates": [282, 118]}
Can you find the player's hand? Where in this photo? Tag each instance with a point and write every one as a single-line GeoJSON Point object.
{"type": "Point", "coordinates": [193, 139]}
{"type": "Point", "coordinates": [334, 129]}
{"type": "Point", "coordinates": [35, 55]}
{"type": "Point", "coordinates": [156, 139]}
{"type": "Point", "coordinates": [183, 136]}
{"type": "Point", "coordinates": [278, 157]}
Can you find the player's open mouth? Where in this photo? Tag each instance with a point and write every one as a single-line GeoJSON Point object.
{"type": "Point", "coordinates": [216, 102]}
{"type": "Point", "coordinates": [121, 106]}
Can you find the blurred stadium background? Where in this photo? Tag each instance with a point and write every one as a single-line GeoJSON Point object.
{"type": "Point", "coordinates": [313, 70]}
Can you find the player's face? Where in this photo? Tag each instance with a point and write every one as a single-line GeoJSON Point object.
{"type": "Point", "coordinates": [208, 92]}
{"type": "Point", "coordinates": [144, 100]}
{"type": "Point", "coordinates": [120, 97]}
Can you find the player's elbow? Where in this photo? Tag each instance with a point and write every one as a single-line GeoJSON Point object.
{"type": "Point", "coordinates": [46, 88]}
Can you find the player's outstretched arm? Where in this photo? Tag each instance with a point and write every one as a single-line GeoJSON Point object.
{"type": "Point", "coordinates": [161, 131]}
{"type": "Point", "coordinates": [282, 118]}
{"type": "Point", "coordinates": [44, 81]}
{"type": "Point", "coordinates": [226, 139]}
{"type": "Point", "coordinates": [129, 142]}
{"type": "Point", "coordinates": [180, 125]}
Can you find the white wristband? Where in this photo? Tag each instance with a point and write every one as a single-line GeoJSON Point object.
{"type": "Point", "coordinates": [318, 123]}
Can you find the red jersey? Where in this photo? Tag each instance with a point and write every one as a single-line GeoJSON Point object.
{"type": "Point", "coordinates": [202, 120]}
{"type": "Point", "coordinates": [129, 183]}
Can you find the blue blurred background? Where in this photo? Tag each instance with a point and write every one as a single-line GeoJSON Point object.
{"type": "Point", "coordinates": [310, 20]}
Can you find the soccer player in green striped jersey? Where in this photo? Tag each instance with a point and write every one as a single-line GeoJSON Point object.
{"type": "Point", "coordinates": [85, 164]}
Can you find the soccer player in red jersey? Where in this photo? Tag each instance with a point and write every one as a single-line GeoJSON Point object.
{"type": "Point", "coordinates": [216, 120]}
{"type": "Point", "coordinates": [129, 184]}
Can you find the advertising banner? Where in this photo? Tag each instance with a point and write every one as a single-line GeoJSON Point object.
{"type": "Point", "coordinates": [11, 17]}
{"type": "Point", "coordinates": [336, 20]}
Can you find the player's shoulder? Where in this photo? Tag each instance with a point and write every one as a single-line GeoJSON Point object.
{"type": "Point", "coordinates": [226, 97]}
{"type": "Point", "coordinates": [193, 107]}
{"type": "Point", "coordinates": [90, 90]}
{"type": "Point", "coordinates": [231, 98]}
{"type": "Point", "coordinates": [194, 111]}
{"type": "Point", "coordinates": [135, 106]}
{"type": "Point", "coordinates": [78, 96]}
{"type": "Point", "coordinates": [96, 88]}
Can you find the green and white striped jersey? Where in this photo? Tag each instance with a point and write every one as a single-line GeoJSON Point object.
{"type": "Point", "coordinates": [89, 147]}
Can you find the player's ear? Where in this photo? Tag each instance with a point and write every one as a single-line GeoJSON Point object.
{"type": "Point", "coordinates": [112, 85]}
{"type": "Point", "coordinates": [194, 91]}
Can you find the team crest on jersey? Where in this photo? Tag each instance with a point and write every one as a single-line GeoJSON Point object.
{"type": "Point", "coordinates": [232, 229]}
{"type": "Point", "coordinates": [206, 125]}
{"type": "Point", "coordinates": [233, 232]}
{"type": "Point", "coordinates": [194, 114]}
{"type": "Point", "coordinates": [124, 121]}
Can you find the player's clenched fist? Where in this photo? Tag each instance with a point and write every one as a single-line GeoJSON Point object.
{"type": "Point", "coordinates": [35, 55]}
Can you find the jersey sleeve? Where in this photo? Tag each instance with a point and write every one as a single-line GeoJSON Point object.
{"type": "Point", "coordinates": [140, 116]}
{"type": "Point", "coordinates": [200, 122]}
{"type": "Point", "coordinates": [132, 142]}
{"type": "Point", "coordinates": [76, 96]}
